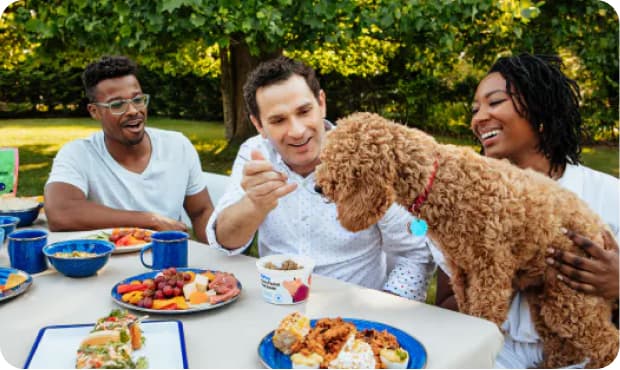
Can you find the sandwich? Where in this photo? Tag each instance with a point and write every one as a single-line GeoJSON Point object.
{"type": "Point", "coordinates": [111, 342]}
{"type": "Point", "coordinates": [126, 323]}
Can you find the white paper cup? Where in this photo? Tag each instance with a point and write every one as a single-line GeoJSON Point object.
{"type": "Point", "coordinates": [285, 286]}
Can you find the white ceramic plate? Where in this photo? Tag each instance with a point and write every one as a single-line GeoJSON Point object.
{"type": "Point", "coordinates": [92, 234]}
{"type": "Point", "coordinates": [56, 346]}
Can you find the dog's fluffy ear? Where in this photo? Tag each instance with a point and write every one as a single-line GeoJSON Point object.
{"type": "Point", "coordinates": [364, 206]}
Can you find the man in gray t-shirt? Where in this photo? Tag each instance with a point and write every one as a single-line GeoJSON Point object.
{"type": "Point", "coordinates": [125, 175]}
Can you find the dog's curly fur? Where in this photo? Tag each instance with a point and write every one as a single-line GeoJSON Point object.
{"type": "Point", "coordinates": [492, 221]}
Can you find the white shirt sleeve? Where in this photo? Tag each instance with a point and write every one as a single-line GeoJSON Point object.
{"type": "Point", "coordinates": [234, 193]}
{"type": "Point", "coordinates": [68, 166]}
{"type": "Point", "coordinates": [413, 262]}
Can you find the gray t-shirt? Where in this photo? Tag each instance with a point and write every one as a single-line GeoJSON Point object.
{"type": "Point", "coordinates": [173, 172]}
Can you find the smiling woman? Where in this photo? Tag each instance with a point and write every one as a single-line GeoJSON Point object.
{"type": "Point", "coordinates": [526, 110]}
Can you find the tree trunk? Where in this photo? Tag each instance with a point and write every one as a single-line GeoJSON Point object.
{"type": "Point", "coordinates": [236, 62]}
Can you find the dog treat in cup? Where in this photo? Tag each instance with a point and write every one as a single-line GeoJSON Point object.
{"type": "Point", "coordinates": [285, 278]}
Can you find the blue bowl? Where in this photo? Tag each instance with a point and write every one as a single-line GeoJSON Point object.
{"type": "Point", "coordinates": [26, 217]}
{"type": "Point", "coordinates": [79, 266]}
{"type": "Point", "coordinates": [8, 224]}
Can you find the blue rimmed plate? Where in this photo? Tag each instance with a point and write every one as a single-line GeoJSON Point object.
{"type": "Point", "coordinates": [16, 290]}
{"type": "Point", "coordinates": [272, 358]}
{"type": "Point", "coordinates": [151, 275]}
{"type": "Point", "coordinates": [56, 346]}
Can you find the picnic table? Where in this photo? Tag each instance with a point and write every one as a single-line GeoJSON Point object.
{"type": "Point", "coordinates": [228, 337]}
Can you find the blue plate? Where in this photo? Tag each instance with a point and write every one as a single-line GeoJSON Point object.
{"type": "Point", "coordinates": [16, 290]}
{"type": "Point", "coordinates": [272, 358]}
{"type": "Point", "coordinates": [151, 275]}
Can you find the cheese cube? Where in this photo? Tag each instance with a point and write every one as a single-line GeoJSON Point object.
{"type": "Point", "coordinates": [201, 282]}
{"type": "Point", "coordinates": [188, 289]}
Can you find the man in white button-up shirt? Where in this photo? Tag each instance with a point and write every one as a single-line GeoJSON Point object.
{"type": "Point", "coordinates": [272, 192]}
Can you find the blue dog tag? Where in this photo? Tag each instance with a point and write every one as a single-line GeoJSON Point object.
{"type": "Point", "coordinates": [418, 227]}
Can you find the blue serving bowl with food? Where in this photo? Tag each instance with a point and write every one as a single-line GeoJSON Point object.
{"type": "Point", "coordinates": [80, 257]}
{"type": "Point", "coordinates": [8, 224]}
{"type": "Point", "coordinates": [25, 209]}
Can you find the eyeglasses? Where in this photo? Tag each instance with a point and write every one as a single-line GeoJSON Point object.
{"type": "Point", "coordinates": [118, 107]}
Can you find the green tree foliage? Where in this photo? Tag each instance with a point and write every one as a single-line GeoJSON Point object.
{"type": "Point", "coordinates": [434, 52]}
{"type": "Point", "coordinates": [157, 32]}
{"type": "Point", "coordinates": [417, 61]}
{"type": "Point", "coordinates": [585, 34]}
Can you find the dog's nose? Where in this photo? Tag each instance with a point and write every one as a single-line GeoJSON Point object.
{"type": "Point", "coordinates": [318, 189]}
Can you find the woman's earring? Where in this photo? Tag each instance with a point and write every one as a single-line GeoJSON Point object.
{"type": "Point", "coordinates": [540, 127]}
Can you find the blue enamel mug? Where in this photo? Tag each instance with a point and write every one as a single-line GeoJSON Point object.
{"type": "Point", "coordinates": [26, 250]}
{"type": "Point", "coordinates": [169, 250]}
{"type": "Point", "coordinates": [7, 225]}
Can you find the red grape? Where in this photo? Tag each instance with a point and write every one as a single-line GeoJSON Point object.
{"type": "Point", "coordinates": [168, 291]}
{"type": "Point", "coordinates": [148, 302]}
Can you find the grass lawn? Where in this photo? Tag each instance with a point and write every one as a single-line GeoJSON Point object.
{"type": "Point", "coordinates": [38, 141]}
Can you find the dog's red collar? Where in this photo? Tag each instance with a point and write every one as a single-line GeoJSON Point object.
{"type": "Point", "coordinates": [420, 199]}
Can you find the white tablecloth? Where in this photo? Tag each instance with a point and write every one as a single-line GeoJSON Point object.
{"type": "Point", "coordinates": [228, 337]}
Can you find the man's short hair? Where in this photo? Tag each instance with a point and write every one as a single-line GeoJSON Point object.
{"type": "Point", "coordinates": [105, 68]}
{"type": "Point", "coordinates": [272, 72]}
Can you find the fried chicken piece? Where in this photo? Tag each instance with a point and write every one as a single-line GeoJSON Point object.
{"type": "Point", "coordinates": [326, 339]}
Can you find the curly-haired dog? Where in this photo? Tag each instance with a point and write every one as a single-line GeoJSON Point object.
{"type": "Point", "coordinates": [492, 221]}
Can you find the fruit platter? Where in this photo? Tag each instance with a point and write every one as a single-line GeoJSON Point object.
{"type": "Point", "coordinates": [125, 239]}
{"type": "Point", "coordinates": [177, 290]}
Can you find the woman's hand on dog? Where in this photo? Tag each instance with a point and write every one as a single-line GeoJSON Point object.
{"type": "Point", "coordinates": [595, 275]}
{"type": "Point", "coordinates": [264, 185]}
